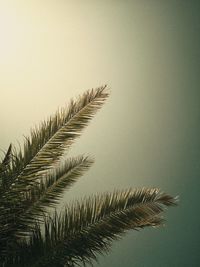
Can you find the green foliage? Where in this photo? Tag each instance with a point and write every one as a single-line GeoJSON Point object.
{"type": "Point", "coordinates": [35, 178]}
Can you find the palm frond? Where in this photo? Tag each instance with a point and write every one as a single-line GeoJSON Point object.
{"type": "Point", "coordinates": [51, 187]}
{"type": "Point", "coordinates": [42, 196]}
{"type": "Point", "coordinates": [7, 156]}
{"type": "Point", "coordinates": [89, 227]}
{"type": "Point", "coordinates": [5, 179]}
{"type": "Point", "coordinates": [49, 190]}
{"type": "Point", "coordinates": [48, 143]}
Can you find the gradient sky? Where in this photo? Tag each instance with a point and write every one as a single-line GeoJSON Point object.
{"type": "Point", "coordinates": [148, 132]}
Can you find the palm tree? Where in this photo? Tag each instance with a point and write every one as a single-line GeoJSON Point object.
{"type": "Point", "coordinates": [33, 179]}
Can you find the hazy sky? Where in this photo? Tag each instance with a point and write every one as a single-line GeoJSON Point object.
{"type": "Point", "coordinates": [148, 132]}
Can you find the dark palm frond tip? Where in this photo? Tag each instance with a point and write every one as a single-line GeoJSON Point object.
{"type": "Point", "coordinates": [5, 162]}
{"type": "Point", "coordinates": [5, 179]}
{"type": "Point", "coordinates": [88, 227]}
{"type": "Point", "coordinates": [7, 156]}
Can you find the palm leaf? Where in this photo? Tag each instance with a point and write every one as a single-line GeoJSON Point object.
{"type": "Point", "coordinates": [7, 156]}
{"type": "Point", "coordinates": [48, 143]}
{"type": "Point", "coordinates": [89, 227]}
{"type": "Point", "coordinates": [42, 196]}
{"type": "Point", "coordinates": [5, 179]}
{"type": "Point", "coordinates": [47, 193]}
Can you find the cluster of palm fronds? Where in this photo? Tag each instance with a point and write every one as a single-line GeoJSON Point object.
{"type": "Point", "coordinates": [33, 178]}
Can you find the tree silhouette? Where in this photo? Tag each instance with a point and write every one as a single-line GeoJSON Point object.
{"type": "Point", "coordinates": [34, 178]}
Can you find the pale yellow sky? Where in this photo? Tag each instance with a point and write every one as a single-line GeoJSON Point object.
{"type": "Point", "coordinates": [54, 50]}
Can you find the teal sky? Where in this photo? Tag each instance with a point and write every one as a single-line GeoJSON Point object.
{"type": "Point", "coordinates": [148, 132]}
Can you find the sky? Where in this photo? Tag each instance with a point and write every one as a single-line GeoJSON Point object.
{"type": "Point", "coordinates": [147, 134]}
